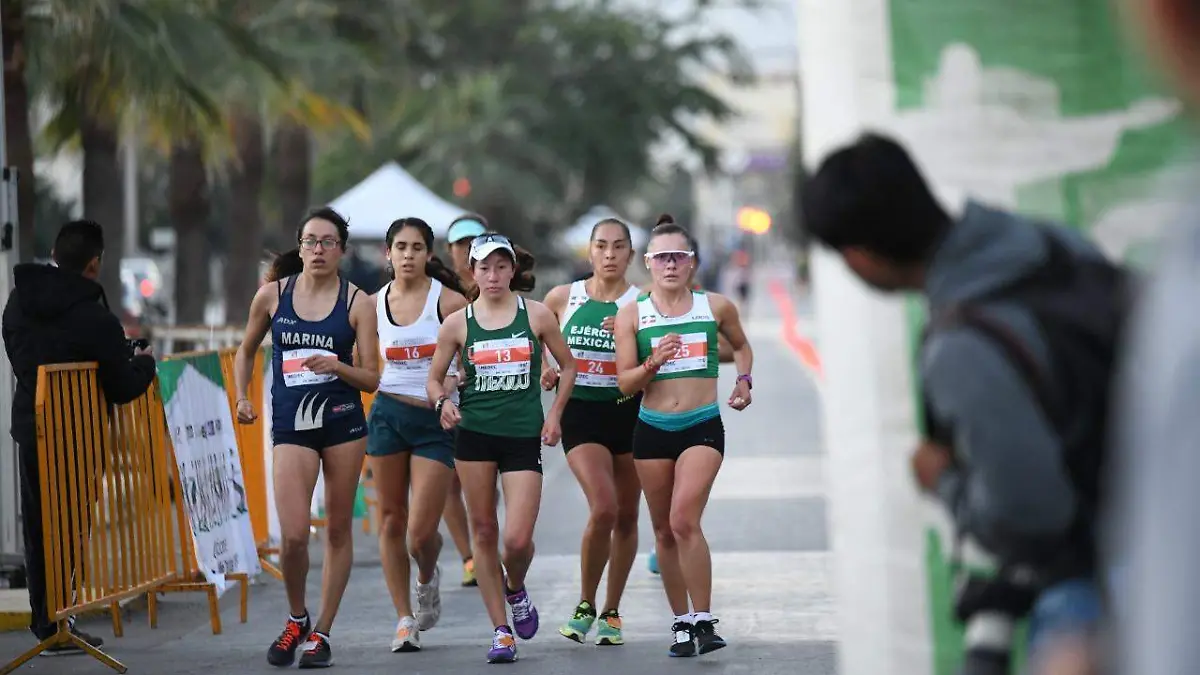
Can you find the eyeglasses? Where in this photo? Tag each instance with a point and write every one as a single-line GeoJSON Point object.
{"type": "Point", "coordinates": [662, 258]}
{"type": "Point", "coordinates": [309, 243]}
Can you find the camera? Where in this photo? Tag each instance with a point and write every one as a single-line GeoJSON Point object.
{"type": "Point", "coordinates": [989, 608]}
{"type": "Point", "coordinates": [134, 345]}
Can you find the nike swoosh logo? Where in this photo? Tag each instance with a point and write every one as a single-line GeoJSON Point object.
{"type": "Point", "coordinates": [517, 335]}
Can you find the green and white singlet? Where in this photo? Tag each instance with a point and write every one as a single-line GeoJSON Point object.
{"type": "Point", "coordinates": [698, 356]}
{"type": "Point", "coordinates": [502, 396]}
{"type": "Point", "coordinates": [593, 347]}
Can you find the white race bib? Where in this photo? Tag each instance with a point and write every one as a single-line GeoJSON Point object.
{"type": "Point", "coordinates": [294, 372]}
{"type": "Point", "coordinates": [410, 355]}
{"type": "Point", "coordinates": [499, 358]}
{"type": "Point", "coordinates": [691, 355]}
{"type": "Point", "coordinates": [595, 369]}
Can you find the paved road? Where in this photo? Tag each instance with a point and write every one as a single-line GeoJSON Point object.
{"type": "Point", "coordinates": [766, 525]}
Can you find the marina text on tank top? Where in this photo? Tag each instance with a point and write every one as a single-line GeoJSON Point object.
{"type": "Point", "coordinates": [302, 400]}
{"type": "Point", "coordinates": [593, 347]}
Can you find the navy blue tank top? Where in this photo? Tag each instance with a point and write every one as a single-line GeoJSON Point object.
{"type": "Point", "coordinates": [302, 400]}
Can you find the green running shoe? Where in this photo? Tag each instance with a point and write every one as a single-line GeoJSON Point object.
{"type": "Point", "coordinates": [578, 627]}
{"type": "Point", "coordinates": [608, 633]}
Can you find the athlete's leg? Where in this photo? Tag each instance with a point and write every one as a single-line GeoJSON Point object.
{"type": "Point", "coordinates": [430, 483]}
{"type": "Point", "coordinates": [625, 532]}
{"type": "Point", "coordinates": [342, 465]}
{"type": "Point", "coordinates": [455, 515]}
{"type": "Point", "coordinates": [593, 467]}
{"type": "Point", "coordinates": [657, 477]}
{"type": "Point", "coordinates": [522, 499]}
{"type": "Point", "coordinates": [294, 470]}
{"type": "Point", "coordinates": [391, 483]}
{"type": "Point", "coordinates": [479, 488]}
{"type": "Point", "coordinates": [695, 472]}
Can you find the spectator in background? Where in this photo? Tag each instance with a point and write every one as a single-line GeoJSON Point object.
{"type": "Point", "coordinates": [59, 314]}
{"type": "Point", "coordinates": [1158, 456]}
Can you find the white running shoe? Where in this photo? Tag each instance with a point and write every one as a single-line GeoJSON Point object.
{"type": "Point", "coordinates": [429, 600]}
{"type": "Point", "coordinates": [408, 636]}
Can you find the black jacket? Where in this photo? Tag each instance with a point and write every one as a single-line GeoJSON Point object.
{"type": "Point", "coordinates": [55, 316]}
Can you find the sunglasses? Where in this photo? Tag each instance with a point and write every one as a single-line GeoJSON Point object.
{"type": "Point", "coordinates": [491, 239]}
{"type": "Point", "coordinates": [662, 258]}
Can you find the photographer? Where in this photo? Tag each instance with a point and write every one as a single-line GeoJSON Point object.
{"type": "Point", "coordinates": [59, 314]}
{"type": "Point", "coordinates": [1014, 369]}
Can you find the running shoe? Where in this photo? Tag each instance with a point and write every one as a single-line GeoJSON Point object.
{"type": "Point", "coordinates": [608, 631]}
{"type": "Point", "coordinates": [316, 652]}
{"type": "Point", "coordinates": [283, 650]}
{"type": "Point", "coordinates": [408, 636]}
{"type": "Point", "coordinates": [429, 600]}
{"type": "Point", "coordinates": [684, 643]}
{"type": "Point", "coordinates": [524, 614]}
{"type": "Point", "coordinates": [580, 624]}
{"type": "Point", "coordinates": [707, 639]}
{"type": "Point", "coordinates": [504, 647]}
{"type": "Point", "coordinates": [653, 562]}
{"type": "Point", "coordinates": [469, 573]}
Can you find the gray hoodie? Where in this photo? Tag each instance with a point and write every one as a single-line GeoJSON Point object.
{"type": "Point", "coordinates": [1010, 485]}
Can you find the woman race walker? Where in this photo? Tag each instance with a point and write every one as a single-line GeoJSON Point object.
{"type": "Point", "coordinates": [458, 242]}
{"type": "Point", "coordinates": [667, 347]}
{"type": "Point", "coordinates": [406, 444]}
{"type": "Point", "coordinates": [597, 430]}
{"type": "Point", "coordinates": [317, 423]}
{"type": "Point", "coordinates": [501, 426]}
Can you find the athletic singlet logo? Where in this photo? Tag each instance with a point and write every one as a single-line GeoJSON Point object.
{"type": "Point", "coordinates": [310, 415]}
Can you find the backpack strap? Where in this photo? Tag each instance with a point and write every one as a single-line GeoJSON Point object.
{"type": "Point", "coordinates": [1015, 351]}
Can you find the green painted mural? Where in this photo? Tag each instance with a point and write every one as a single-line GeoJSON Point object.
{"type": "Point", "coordinates": [1040, 107]}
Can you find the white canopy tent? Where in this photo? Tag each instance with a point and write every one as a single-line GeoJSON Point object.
{"type": "Point", "coordinates": [575, 238]}
{"type": "Point", "coordinates": [390, 193]}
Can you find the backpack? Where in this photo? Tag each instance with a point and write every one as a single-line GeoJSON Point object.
{"type": "Point", "coordinates": [1080, 305]}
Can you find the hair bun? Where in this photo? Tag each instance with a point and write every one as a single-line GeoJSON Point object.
{"type": "Point", "coordinates": [664, 218]}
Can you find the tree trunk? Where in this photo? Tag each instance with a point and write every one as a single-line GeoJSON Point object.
{"type": "Point", "coordinates": [17, 135]}
{"type": "Point", "coordinates": [244, 230]}
{"type": "Point", "coordinates": [293, 165]}
{"type": "Point", "coordinates": [104, 200]}
{"type": "Point", "coordinates": [189, 205]}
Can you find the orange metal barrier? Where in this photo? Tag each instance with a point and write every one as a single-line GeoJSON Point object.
{"type": "Point", "coordinates": [107, 486]}
{"type": "Point", "coordinates": [251, 453]}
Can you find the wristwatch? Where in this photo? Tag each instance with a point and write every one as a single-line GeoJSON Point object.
{"type": "Point", "coordinates": [440, 402]}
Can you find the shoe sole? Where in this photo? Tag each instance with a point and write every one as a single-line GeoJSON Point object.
{"type": "Point", "coordinates": [572, 634]}
{"type": "Point", "coordinates": [405, 648]}
{"type": "Point", "coordinates": [712, 647]}
{"type": "Point", "coordinates": [679, 656]}
{"type": "Point", "coordinates": [312, 666]}
{"type": "Point", "coordinates": [609, 642]}
{"type": "Point", "coordinates": [502, 660]}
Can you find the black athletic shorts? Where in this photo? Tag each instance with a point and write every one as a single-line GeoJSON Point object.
{"type": "Point", "coordinates": [607, 423]}
{"type": "Point", "coordinates": [509, 454]}
{"type": "Point", "coordinates": [336, 431]}
{"type": "Point", "coordinates": [650, 442]}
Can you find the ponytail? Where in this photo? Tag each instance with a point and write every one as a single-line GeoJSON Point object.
{"type": "Point", "coordinates": [436, 269]}
{"type": "Point", "coordinates": [284, 265]}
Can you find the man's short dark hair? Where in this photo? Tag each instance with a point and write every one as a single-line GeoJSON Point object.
{"type": "Point", "coordinates": [871, 195]}
{"type": "Point", "coordinates": [77, 243]}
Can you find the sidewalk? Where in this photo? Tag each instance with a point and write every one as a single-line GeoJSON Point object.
{"type": "Point", "coordinates": [766, 525]}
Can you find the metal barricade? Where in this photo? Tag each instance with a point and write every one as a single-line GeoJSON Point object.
{"type": "Point", "coordinates": [106, 500]}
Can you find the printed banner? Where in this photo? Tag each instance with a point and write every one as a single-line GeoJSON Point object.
{"type": "Point", "coordinates": [210, 472]}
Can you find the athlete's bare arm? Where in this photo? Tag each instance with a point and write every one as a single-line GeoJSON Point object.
{"type": "Point", "coordinates": [450, 302]}
{"type": "Point", "coordinates": [451, 336]}
{"type": "Point", "coordinates": [633, 376]}
{"type": "Point", "coordinates": [262, 307]}
{"type": "Point", "coordinates": [545, 325]}
{"type": "Point", "coordinates": [365, 375]}
{"type": "Point", "coordinates": [556, 302]}
{"type": "Point", "coordinates": [729, 324]}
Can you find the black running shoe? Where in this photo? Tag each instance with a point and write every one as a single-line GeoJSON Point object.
{"type": "Point", "coordinates": [69, 648]}
{"type": "Point", "coordinates": [316, 652]}
{"type": "Point", "coordinates": [707, 639]}
{"type": "Point", "coordinates": [685, 643]}
{"type": "Point", "coordinates": [283, 649]}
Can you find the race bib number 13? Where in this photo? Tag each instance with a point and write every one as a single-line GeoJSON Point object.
{"type": "Point", "coordinates": [497, 358]}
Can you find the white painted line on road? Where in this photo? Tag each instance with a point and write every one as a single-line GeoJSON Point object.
{"type": "Point", "coordinates": [770, 478]}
